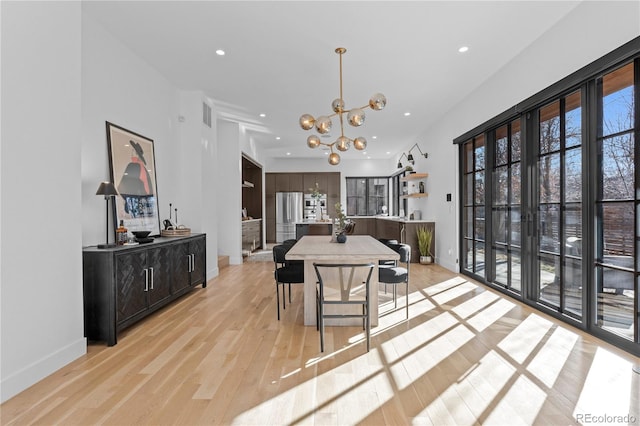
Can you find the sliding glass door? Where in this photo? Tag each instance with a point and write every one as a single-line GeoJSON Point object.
{"type": "Point", "coordinates": [616, 204]}
{"type": "Point", "coordinates": [506, 209]}
{"type": "Point", "coordinates": [559, 205]}
{"type": "Point", "coordinates": [473, 210]}
{"type": "Point", "coordinates": [559, 223]}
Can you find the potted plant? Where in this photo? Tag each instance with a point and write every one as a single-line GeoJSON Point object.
{"type": "Point", "coordinates": [341, 237]}
{"type": "Point", "coordinates": [425, 238]}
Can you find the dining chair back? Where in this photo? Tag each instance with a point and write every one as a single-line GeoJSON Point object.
{"type": "Point", "coordinates": [343, 284]}
{"type": "Point", "coordinates": [285, 272]}
{"type": "Point", "coordinates": [397, 274]}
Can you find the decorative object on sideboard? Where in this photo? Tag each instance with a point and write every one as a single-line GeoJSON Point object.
{"type": "Point", "coordinates": [142, 236]}
{"type": "Point", "coordinates": [107, 189]}
{"type": "Point", "coordinates": [172, 228]}
{"type": "Point", "coordinates": [355, 117]}
{"type": "Point", "coordinates": [425, 238]}
{"type": "Point", "coordinates": [133, 171]}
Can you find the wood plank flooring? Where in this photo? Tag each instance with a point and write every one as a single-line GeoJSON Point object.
{"type": "Point", "coordinates": [466, 356]}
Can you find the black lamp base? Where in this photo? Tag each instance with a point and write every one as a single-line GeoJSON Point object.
{"type": "Point", "coordinates": [106, 245]}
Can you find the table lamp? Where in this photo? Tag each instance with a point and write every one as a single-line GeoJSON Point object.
{"type": "Point", "coordinates": [109, 191]}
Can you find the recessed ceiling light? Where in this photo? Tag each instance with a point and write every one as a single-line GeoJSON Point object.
{"type": "Point", "coordinates": [388, 152]}
{"type": "Point", "coordinates": [277, 138]}
{"type": "Point", "coordinates": [463, 49]}
{"type": "Point", "coordinates": [374, 137]}
{"type": "Point", "coordinates": [263, 114]}
{"type": "Point", "coordinates": [406, 114]}
{"type": "Point", "coordinates": [288, 153]}
{"type": "Point", "coordinates": [220, 52]}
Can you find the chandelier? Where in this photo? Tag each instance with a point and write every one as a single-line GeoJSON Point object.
{"type": "Point", "coordinates": [355, 117]}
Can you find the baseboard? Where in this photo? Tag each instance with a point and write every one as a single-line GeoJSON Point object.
{"type": "Point", "coordinates": [20, 380]}
{"type": "Point", "coordinates": [212, 273]}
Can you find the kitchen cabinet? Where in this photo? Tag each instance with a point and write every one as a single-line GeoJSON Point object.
{"type": "Point", "coordinates": [124, 284]}
{"type": "Point", "coordinates": [282, 182]}
{"type": "Point", "coordinates": [364, 226]}
{"type": "Point", "coordinates": [328, 183]}
{"type": "Point", "coordinates": [388, 229]}
{"type": "Point", "coordinates": [251, 234]}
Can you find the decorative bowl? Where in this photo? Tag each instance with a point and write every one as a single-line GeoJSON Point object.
{"type": "Point", "coordinates": [141, 234]}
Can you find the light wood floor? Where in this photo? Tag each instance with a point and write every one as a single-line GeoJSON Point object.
{"type": "Point", "coordinates": [466, 356]}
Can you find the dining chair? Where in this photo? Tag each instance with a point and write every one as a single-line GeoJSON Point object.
{"type": "Point", "coordinates": [343, 284]}
{"type": "Point", "coordinates": [285, 272]}
{"type": "Point", "coordinates": [387, 263]}
{"type": "Point", "coordinates": [350, 228]}
{"type": "Point", "coordinates": [396, 274]}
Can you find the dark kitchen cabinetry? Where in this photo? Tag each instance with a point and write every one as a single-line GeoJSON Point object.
{"type": "Point", "coordinates": [328, 183]}
{"type": "Point", "coordinates": [122, 285]}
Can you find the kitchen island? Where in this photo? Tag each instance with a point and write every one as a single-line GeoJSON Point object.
{"type": "Point", "coordinates": [302, 228]}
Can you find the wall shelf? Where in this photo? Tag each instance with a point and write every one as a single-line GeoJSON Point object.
{"type": "Point", "coordinates": [416, 195]}
{"type": "Point", "coordinates": [414, 176]}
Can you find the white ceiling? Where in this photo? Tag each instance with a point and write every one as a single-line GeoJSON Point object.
{"type": "Point", "coordinates": [280, 58]}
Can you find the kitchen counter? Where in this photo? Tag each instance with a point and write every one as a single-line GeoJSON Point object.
{"type": "Point", "coordinates": [393, 218]}
{"type": "Point", "coordinates": [394, 228]}
{"type": "Point", "coordinates": [250, 220]}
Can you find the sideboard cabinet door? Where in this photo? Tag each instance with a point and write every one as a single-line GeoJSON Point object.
{"type": "Point", "coordinates": [131, 294]}
{"type": "Point", "coordinates": [198, 250]}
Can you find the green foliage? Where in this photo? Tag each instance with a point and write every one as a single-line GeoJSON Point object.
{"type": "Point", "coordinates": [340, 215]}
{"type": "Point", "coordinates": [425, 237]}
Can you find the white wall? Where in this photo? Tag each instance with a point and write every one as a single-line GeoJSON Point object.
{"type": "Point", "coordinates": [120, 88]}
{"type": "Point", "coordinates": [589, 32]}
{"type": "Point", "coordinates": [229, 181]}
{"type": "Point", "coordinates": [41, 140]}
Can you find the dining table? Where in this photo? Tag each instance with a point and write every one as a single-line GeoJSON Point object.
{"type": "Point", "coordinates": [324, 249]}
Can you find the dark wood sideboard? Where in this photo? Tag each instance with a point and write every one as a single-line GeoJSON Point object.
{"type": "Point", "coordinates": [124, 284]}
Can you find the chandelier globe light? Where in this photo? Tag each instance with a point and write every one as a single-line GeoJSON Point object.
{"type": "Point", "coordinates": [355, 117]}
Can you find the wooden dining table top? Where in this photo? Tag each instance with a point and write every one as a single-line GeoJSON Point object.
{"type": "Point", "coordinates": [357, 247]}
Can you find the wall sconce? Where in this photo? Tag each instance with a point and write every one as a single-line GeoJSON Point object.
{"type": "Point", "coordinates": [410, 156]}
{"type": "Point", "coordinates": [400, 160]}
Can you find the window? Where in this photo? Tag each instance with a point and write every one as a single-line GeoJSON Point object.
{"type": "Point", "coordinates": [367, 196]}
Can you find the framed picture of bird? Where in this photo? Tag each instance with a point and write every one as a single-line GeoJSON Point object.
{"type": "Point", "coordinates": [133, 172]}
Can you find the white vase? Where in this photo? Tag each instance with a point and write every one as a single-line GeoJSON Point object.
{"type": "Point", "coordinates": [425, 260]}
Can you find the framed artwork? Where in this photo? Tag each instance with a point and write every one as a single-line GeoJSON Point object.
{"type": "Point", "coordinates": [133, 172]}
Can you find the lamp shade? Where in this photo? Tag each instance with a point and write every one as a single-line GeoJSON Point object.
{"type": "Point", "coordinates": [107, 189]}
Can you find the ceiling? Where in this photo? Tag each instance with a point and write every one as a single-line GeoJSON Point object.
{"type": "Point", "coordinates": [280, 59]}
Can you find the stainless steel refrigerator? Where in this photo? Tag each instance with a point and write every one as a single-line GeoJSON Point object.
{"type": "Point", "coordinates": [288, 213]}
